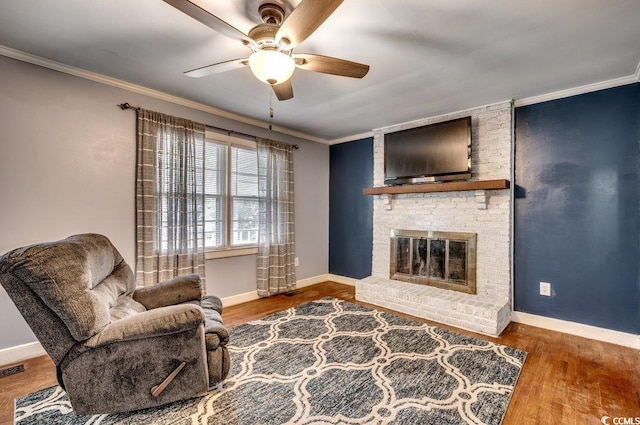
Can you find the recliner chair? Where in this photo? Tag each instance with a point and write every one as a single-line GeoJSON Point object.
{"type": "Point", "coordinates": [116, 348]}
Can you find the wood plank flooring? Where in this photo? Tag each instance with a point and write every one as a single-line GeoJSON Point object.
{"type": "Point", "coordinates": [565, 379]}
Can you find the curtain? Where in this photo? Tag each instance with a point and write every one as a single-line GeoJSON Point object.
{"type": "Point", "coordinates": [169, 197]}
{"type": "Point", "coordinates": [276, 237]}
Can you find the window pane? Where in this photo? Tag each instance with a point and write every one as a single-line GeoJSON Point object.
{"type": "Point", "coordinates": [213, 221]}
{"type": "Point", "coordinates": [245, 221]}
{"type": "Point", "coordinates": [244, 193]}
{"type": "Point", "coordinates": [215, 170]}
{"type": "Point", "coordinates": [244, 172]}
{"type": "Point", "coordinates": [215, 176]}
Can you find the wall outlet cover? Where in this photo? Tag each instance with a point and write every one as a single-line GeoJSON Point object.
{"type": "Point", "coordinates": [545, 289]}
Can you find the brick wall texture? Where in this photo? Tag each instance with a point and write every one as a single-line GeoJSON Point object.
{"type": "Point", "coordinates": [488, 214]}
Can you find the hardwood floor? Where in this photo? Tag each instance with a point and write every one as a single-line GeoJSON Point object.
{"type": "Point", "coordinates": [565, 379]}
{"type": "Point", "coordinates": [38, 373]}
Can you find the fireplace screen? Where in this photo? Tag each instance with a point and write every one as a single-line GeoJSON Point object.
{"type": "Point", "coordinates": [442, 259]}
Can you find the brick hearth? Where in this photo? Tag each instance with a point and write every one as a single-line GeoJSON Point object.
{"type": "Point", "coordinates": [475, 313]}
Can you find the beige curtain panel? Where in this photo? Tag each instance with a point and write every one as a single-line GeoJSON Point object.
{"type": "Point", "coordinates": [276, 236]}
{"type": "Point", "coordinates": [169, 198]}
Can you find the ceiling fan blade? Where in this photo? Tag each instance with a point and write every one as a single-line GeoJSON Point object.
{"type": "Point", "coordinates": [329, 65]}
{"type": "Point", "coordinates": [210, 20]}
{"type": "Point", "coordinates": [283, 91]}
{"type": "Point", "coordinates": [217, 68]}
{"type": "Point", "coordinates": [305, 19]}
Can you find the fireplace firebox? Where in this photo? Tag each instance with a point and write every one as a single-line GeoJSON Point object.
{"type": "Point", "coordinates": [445, 260]}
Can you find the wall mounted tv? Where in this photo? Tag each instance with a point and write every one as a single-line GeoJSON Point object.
{"type": "Point", "coordinates": [430, 153]}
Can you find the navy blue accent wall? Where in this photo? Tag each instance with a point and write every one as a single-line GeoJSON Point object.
{"type": "Point", "coordinates": [577, 208]}
{"type": "Point", "coordinates": [350, 212]}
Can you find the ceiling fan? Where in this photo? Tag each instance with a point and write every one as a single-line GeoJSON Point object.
{"type": "Point", "coordinates": [272, 42]}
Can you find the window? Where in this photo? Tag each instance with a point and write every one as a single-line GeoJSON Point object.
{"type": "Point", "coordinates": [231, 193]}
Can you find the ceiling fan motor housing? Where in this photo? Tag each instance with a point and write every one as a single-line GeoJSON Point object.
{"type": "Point", "coordinates": [271, 13]}
{"type": "Point", "coordinates": [264, 34]}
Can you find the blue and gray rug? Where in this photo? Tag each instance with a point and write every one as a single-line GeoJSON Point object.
{"type": "Point", "coordinates": [332, 362]}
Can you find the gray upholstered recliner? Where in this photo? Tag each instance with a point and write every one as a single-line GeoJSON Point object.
{"type": "Point", "coordinates": [116, 348]}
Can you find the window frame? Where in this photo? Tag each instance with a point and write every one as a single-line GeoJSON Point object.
{"type": "Point", "coordinates": [227, 249]}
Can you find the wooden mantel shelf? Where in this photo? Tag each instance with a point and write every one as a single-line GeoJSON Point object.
{"type": "Point", "coordinates": [438, 187]}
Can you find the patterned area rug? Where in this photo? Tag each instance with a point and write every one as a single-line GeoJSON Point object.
{"type": "Point", "coordinates": [333, 362]}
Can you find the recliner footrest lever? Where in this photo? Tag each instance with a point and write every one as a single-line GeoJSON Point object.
{"type": "Point", "coordinates": [158, 389]}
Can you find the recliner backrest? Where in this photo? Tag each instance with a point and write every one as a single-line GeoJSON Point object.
{"type": "Point", "coordinates": [79, 278]}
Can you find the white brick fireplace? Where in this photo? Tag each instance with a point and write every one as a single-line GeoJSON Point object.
{"type": "Point", "coordinates": [485, 213]}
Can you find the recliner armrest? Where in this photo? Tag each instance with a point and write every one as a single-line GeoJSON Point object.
{"type": "Point", "coordinates": [149, 324]}
{"type": "Point", "coordinates": [178, 290]}
{"type": "Point", "coordinates": [216, 336]}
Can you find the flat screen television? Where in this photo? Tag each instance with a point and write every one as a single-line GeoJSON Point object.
{"type": "Point", "coordinates": [431, 153]}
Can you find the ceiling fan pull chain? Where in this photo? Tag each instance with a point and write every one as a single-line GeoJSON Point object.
{"type": "Point", "coordinates": [270, 108]}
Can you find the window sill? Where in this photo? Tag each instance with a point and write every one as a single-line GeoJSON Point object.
{"type": "Point", "coordinates": [231, 252]}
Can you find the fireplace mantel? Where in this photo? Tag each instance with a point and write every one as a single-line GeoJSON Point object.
{"type": "Point", "coordinates": [438, 187]}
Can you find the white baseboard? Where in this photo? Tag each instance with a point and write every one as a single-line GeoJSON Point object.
{"type": "Point", "coordinates": [341, 279]}
{"type": "Point", "coordinates": [578, 329]}
{"type": "Point", "coordinates": [239, 299]}
{"type": "Point", "coordinates": [312, 280]}
{"type": "Point", "coordinates": [253, 295]}
{"type": "Point", "coordinates": [21, 352]}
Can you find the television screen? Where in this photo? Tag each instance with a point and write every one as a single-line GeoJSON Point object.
{"type": "Point", "coordinates": [435, 152]}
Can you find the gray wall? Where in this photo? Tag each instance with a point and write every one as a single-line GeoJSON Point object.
{"type": "Point", "coordinates": [67, 166]}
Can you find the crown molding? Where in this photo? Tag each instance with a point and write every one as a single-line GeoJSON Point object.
{"type": "Point", "coordinates": [587, 88]}
{"type": "Point", "coordinates": [114, 82]}
{"type": "Point", "coordinates": [351, 138]}
{"type": "Point", "coordinates": [442, 117]}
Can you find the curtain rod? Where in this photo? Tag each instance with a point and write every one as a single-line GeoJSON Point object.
{"type": "Point", "coordinates": [126, 105]}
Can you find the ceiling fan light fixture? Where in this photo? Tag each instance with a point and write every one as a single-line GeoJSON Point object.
{"type": "Point", "coordinates": [271, 66]}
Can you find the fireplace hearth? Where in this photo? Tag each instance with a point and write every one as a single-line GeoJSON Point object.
{"type": "Point", "coordinates": [445, 260]}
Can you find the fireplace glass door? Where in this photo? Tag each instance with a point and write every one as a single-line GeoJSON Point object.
{"type": "Point", "coordinates": [441, 259]}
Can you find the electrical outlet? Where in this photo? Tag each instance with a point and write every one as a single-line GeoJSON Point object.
{"type": "Point", "coordinates": [545, 289]}
{"type": "Point", "coordinates": [296, 262]}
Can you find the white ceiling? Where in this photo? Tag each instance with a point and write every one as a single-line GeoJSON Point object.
{"type": "Point", "coordinates": [427, 57]}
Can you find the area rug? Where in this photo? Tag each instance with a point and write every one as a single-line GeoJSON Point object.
{"type": "Point", "coordinates": [332, 362]}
